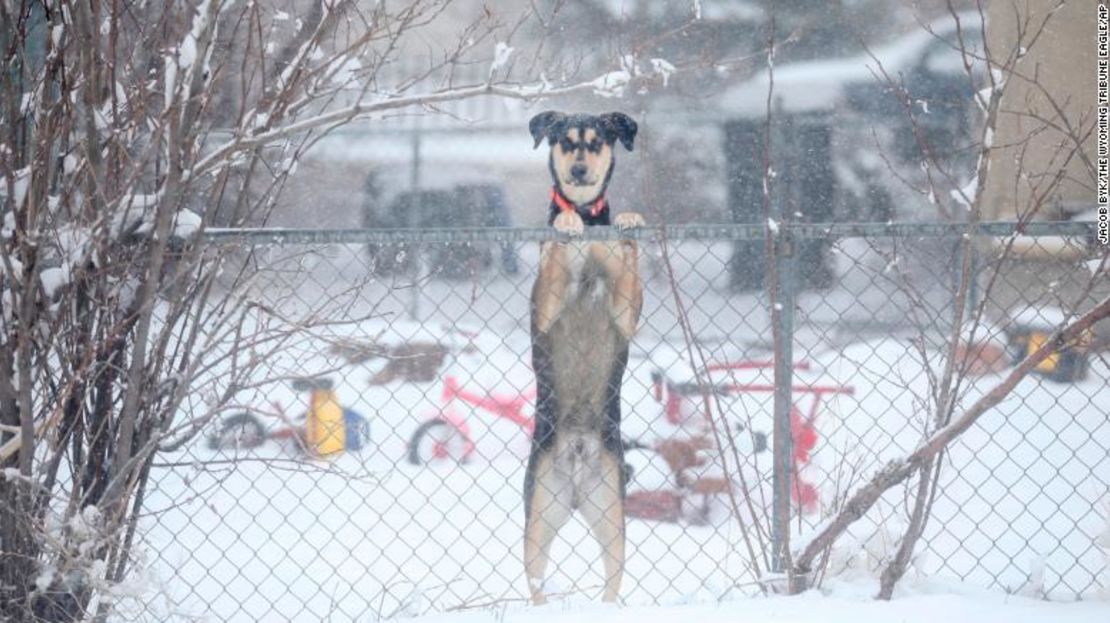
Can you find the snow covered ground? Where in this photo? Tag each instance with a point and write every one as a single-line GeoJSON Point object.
{"type": "Point", "coordinates": [845, 604]}
{"type": "Point", "coordinates": [269, 536]}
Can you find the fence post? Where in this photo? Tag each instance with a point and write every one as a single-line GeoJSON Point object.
{"type": "Point", "coordinates": [413, 223]}
{"type": "Point", "coordinates": [785, 248]}
{"type": "Point", "coordinates": [973, 285]}
{"type": "Point", "coordinates": [783, 446]}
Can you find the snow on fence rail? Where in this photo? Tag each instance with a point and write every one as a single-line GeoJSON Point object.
{"type": "Point", "coordinates": [416, 345]}
{"type": "Point", "coordinates": [729, 231]}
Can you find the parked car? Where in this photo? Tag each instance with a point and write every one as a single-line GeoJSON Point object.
{"type": "Point", "coordinates": [465, 205]}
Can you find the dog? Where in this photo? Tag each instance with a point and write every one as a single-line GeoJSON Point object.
{"type": "Point", "coordinates": [585, 306]}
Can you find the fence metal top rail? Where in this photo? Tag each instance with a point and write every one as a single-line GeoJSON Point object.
{"type": "Point", "coordinates": [753, 231]}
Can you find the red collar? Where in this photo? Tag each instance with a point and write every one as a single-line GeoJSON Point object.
{"type": "Point", "coordinates": [596, 208]}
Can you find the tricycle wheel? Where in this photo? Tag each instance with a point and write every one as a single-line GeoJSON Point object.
{"type": "Point", "coordinates": [437, 440]}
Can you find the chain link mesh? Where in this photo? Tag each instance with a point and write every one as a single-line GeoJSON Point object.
{"type": "Point", "coordinates": [424, 340]}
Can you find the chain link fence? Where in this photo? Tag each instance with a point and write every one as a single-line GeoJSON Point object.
{"type": "Point", "coordinates": [418, 342]}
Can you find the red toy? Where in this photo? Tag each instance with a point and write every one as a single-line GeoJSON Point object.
{"type": "Point", "coordinates": [447, 436]}
{"type": "Point", "coordinates": [681, 408]}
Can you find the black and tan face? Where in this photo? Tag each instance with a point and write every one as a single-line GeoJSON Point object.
{"type": "Point", "coordinates": [581, 161]}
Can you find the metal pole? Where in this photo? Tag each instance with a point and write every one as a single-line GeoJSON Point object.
{"type": "Point", "coordinates": [414, 222]}
{"type": "Point", "coordinates": [748, 231]}
{"type": "Point", "coordinates": [783, 443]}
{"type": "Point", "coordinates": [973, 285]}
{"type": "Point", "coordinates": [785, 253]}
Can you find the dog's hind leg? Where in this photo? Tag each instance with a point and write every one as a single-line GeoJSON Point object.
{"type": "Point", "coordinates": [603, 507]}
{"type": "Point", "coordinates": [548, 507]}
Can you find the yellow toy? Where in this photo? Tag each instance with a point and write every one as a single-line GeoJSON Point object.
{"type": "Point", "coordinates": [328, 428]}
{"type": "Point", "coordinates": [1031, 329]}
{"type": "Point", "coordinates": [325, 429]}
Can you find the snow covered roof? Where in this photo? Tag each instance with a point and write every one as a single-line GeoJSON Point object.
{"type": "Point", "coordinates": [510, 147]}
{"type": "Point", "coordinates": [712, 10]}
{"type": "Point", "coordinates": [815, 85]}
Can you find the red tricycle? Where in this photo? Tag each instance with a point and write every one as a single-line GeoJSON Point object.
{"type": "Point", "coordinates": [447, 435]}
{"type": "Point", "coordinates": [687, 450]}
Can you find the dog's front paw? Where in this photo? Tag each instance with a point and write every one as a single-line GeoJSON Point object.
{"type": "Point", "coordinates": [569, 223]}
{"type": "Point", "coordinates": [628, 220]}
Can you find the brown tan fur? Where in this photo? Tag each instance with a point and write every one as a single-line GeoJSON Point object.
{"type": "Point", "coordinates": [586, 304]}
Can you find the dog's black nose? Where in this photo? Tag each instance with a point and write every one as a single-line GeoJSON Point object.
{"type": "Point", "coordinates": [578, 171]}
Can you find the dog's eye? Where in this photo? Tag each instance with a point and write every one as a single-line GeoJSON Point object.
{"type": "Point", "coordinates": [595, 145]}
{"type": "Point", "coordinates": [566, 144]}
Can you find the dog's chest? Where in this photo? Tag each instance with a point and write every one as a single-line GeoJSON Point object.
{"type": "Point", "coordinates": [585, 343]}
{"type": "Point", "coordinates": [585, 326]}
{"type": "Point", "coordinates": [588, 285]}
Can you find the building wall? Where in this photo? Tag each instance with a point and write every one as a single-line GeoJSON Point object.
{"type": "Point", "coordinates": [1028, 152]}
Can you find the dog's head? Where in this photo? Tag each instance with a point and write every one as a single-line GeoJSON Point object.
{"type": "Point", "coordinates": [581, 160]}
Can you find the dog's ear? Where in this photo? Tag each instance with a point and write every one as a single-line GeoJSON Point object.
{"type": "Point", "coordinates": [540, 125]}
{"type": "Point", "coordinates": [621, 126]}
